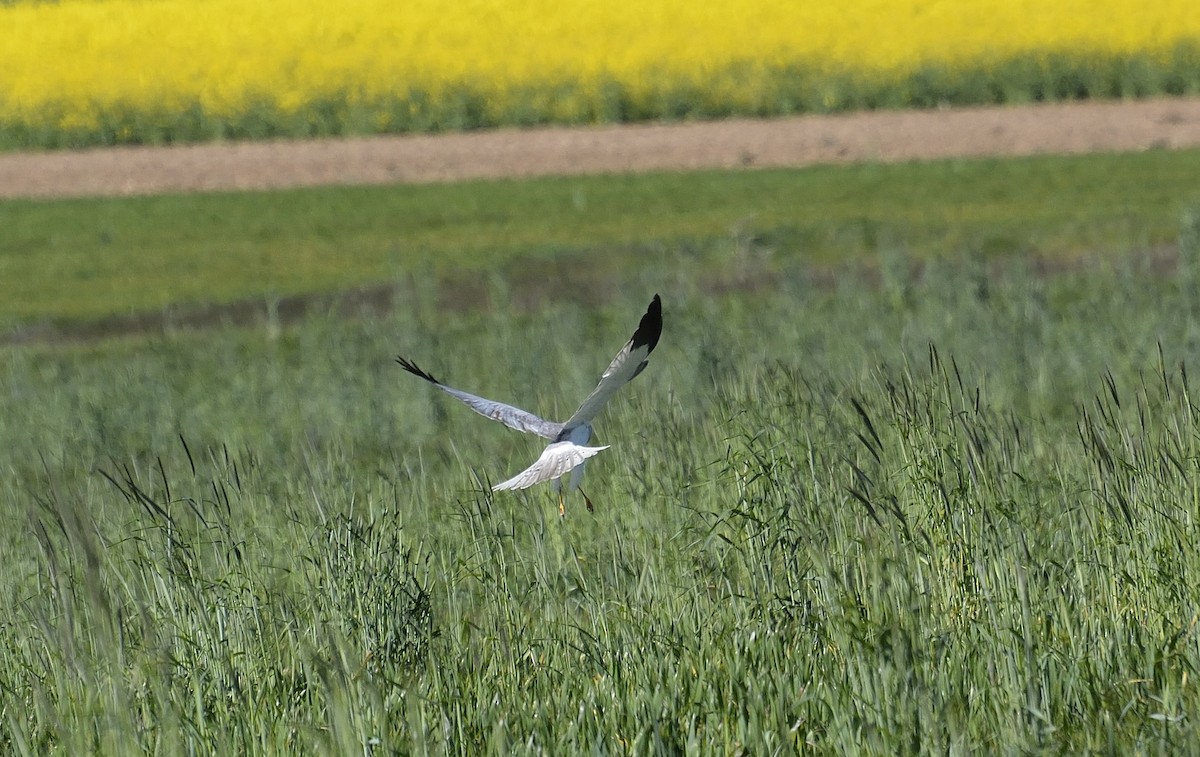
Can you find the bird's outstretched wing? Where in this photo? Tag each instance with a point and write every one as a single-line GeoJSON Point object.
{"type": "Point", "coordinates": [557, 460]}
{"type": "Point", "coordinates": [513, 417]}
{"type": "Point", "coordinates": [628, 363]}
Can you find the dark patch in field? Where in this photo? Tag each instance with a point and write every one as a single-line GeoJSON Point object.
{"type": "Point", "coordinates": [525, 292]}
{"type": "Point", "coordinates": [527, 287]}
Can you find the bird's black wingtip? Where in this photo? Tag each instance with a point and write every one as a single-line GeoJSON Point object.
{"type": "Point", "coordinates": [414, 369]}
{"type": "Point", "coordinates": [650, 327]}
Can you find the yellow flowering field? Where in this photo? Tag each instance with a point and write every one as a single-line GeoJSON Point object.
{"type": "Point", "coordinates": [86, 71]}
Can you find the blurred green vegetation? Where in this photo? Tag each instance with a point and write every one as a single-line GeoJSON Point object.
{"type": "Point", "coordinates": [83, 259]}
{"type": "Point", "coordinates": [945, 505]}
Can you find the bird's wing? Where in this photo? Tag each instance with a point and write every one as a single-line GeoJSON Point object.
{"type": "Point", "coordinates": [557, 460]}
{"type": "Point", "coordinates": [513, 417]}
{"type": "Point", "coordinates": [628, 363]}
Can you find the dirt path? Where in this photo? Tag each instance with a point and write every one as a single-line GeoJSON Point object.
{"type": "Point", "coordinates": [882, 136]}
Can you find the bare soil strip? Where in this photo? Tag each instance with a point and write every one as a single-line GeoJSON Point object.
{"type": "Point", "coordinates": [886, 136]}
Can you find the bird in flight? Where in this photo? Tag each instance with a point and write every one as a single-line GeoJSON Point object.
{"type": "Point", "coordinates": [566, 452]}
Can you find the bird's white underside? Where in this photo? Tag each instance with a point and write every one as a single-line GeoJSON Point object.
{"type": "Point", "coordinates": [556, 460]}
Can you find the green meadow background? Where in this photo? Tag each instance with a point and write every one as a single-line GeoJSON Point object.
{"type": "Point", "coordinates": [913, 470]}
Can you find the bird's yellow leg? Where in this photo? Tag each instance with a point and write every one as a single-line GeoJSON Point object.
{"type": "Point", "coordinates": [562, 511]}
{"type": "Point", "coordinates": [587, 500]}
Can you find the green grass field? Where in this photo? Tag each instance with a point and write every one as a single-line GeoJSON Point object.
{"type": "Point", "coordinates": [942, 503]}
{"type": "Point", "coordinates": [80, 259]}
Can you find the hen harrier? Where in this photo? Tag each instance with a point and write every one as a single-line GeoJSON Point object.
{"type": "Point", "coordinates": [566, 452]}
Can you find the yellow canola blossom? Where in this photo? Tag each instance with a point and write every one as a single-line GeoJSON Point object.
{"type": "Point", "coordinates": [73, 64]}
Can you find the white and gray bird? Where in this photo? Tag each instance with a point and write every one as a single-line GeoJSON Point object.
{"type": "Point", "coordinates": [566, 452]}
